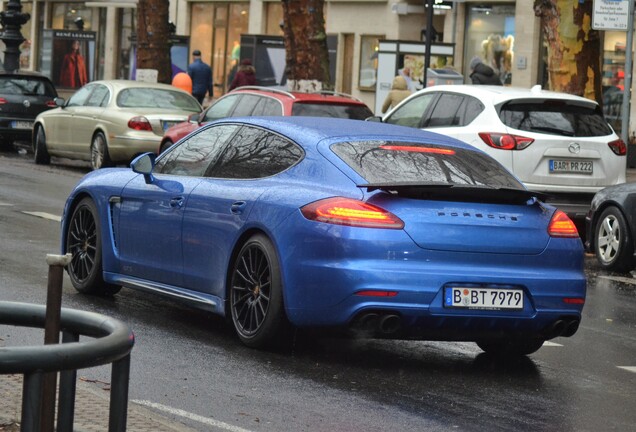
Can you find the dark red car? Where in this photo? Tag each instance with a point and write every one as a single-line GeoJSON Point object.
{"type": "Point", "coordinates": [264, 101]}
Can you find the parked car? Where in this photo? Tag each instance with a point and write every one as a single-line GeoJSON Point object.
{"type": "Point", "coordinates": [23, 95]}
{"type": "Point", "coordinates": [265, 101]}
{"type": "Point", "coordinates": [611, 227]}
{"type": "Point", "coordinates": [382, 230]}
{"type": "Point", "coordinates": [110, 122]}
{"type": "Point", "coordinates": [553, 142]}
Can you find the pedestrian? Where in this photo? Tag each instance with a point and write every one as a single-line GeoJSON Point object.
{"type": "Point", "coordinates": [482, 73]}
{"type": "Point", "coordinates": [399, 91]}
{"type": "Point", "coordinates": [245, 75]}
{"type": "Point", "coordinates": [406, 74]}
{"type": "Point", "coordinates": [201, 75]}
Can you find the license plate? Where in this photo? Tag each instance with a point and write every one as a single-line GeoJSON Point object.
{"type": "Point", "coordinates": [22, 124]}
{"type": "Point", "coordinates": [168, 124]}
{"type": "Point", "coordinates": [571, 166]}
{"type": "Point", "coordinates": [483, 298]}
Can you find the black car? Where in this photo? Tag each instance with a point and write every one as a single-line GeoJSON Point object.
{"type": "Point", "coordinates": [610, 227]}
{"type": "Point", "coordinates": [23, 95]}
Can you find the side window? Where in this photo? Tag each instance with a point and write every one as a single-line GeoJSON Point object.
{"type": "Point", "coordinates": [79, 97]}
{"type": "Point", "coordinates": [470, 109]}
{"type": "Point", "coordinates": [445, 112]}
{"type": "Point", "coordinates": [99, 96]}
{"type": "Point", "coordinates": [193, 156]}
{"type": "Point", "coordinates": [245, 105]}
{"type": "Point", "coordinates": [268, 107]}
{"type": "Point", "coordinates": [221, 108]}
{"type": "Point", "coordinates": [255, 153]}
{"type": "Point", "coordinates": [410, 114]}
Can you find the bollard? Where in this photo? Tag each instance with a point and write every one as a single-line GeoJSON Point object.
{"type": "Point", "coordinates": [56, 265]}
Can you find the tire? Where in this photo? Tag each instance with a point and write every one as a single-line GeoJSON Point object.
{"type": "Point", "coordinates": [99, 152]}
{"type": "Point", "coordinates": [612, 241]}
{"type": "Point", "coordinates": [40, 152]}
{"type": "Point", "coordinates": [256, 295]}
{"type": "Point", "coordinates": [83, 241]}
{"type": "Point", "coordinates": [510, 347]}
{"type": "Point", "coordinates": [165, 146]}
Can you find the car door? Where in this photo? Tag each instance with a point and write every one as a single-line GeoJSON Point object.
{"type": "Point", "coordinates": [58, 126]}
{"type": "Point", "coordinates": [151, 214]}
{"type": "Point", "coordinates": [220, 206]}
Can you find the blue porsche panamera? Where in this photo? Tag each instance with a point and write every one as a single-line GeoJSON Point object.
{"type": "Point", "coordinates": [381, 230]}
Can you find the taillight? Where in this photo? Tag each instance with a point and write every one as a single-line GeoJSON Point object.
{"type": "Point", "coordinates": [51, 104]}
{"type": "Point", "coordinates": [416, 149]}
{"type": "Point", "coordinates": [139, 123]}
{"type": "Point", "coordinates": [347, 211]}
{"type": "Point", "coordinates": [3, 101]}
{"type": "Point", "coordinates": [618, 147]}
{"type": "Point", "coordinates": [505, 141]}
{"type": "Point", "coordinates": [562, 226]}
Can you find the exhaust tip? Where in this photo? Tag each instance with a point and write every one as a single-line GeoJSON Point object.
{"type": "Point", "coordinates": [390, 324]}
{"type": "Point", "coordinates": [571, 328]}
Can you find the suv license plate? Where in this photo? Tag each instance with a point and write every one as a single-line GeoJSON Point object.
{"type": "Point", "coordinates": [483, 298]}
{"type": "Point", "coordinates": [571, 166]}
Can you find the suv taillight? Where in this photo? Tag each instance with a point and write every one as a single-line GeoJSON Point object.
{"type": "Point", "coordinates": [351, 212]}
{"type": "Point", "coordinates": [618, 147]}
{"type": "Point", "coordinates": [505, 141]}
{"type": "Point", "coordinates": [139, 123]}
{"type": "Point", "coordinates": [562, 226]}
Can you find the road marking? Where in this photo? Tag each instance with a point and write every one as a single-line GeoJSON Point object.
{"type": "Point", "coordinates": [5, 204]}
{"type": "Point", "coordinates": [551, 344]}
{"type": "Point", "coordinates": [628, 368]}
{"type": "Point", "coordinates": [205, 420]}
{"type": "Point", "coordinates": [619, 279]}
{"type": "Point", "coordinates": [43, 215]}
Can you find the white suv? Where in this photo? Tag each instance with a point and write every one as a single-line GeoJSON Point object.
{"type": "Point", "coordinates": [554, 143]}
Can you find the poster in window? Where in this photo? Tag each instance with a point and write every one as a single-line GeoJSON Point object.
{"type": "Point", "coordinates": [73, 54]}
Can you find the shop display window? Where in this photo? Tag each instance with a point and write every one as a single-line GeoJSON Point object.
{"type": "Point", "coordinates": [369, 45]}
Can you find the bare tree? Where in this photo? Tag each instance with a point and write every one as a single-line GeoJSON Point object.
{"type": "Point", "coordinates": [153, 38]}
{"type": "Point", "coordinates": [574, 48]}
{"type": "Point", "coordinates": [306, 49]}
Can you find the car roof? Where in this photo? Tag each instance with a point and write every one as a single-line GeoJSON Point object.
{"type": "Point", "coordinates": [24, 73]}
{"type": "Point", "coordinates": [311, 130]}
{"type": "Point", "coordinates": [320, 96]}
{"type": "Point", "coordinates": [121, 83]}
{"type": "Point", "coordinates": [498, 94]}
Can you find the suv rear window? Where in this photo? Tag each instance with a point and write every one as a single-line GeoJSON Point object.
{"type": "Point", "coordinates": [406, 162]}
{"type": "Point", "coordinates": [354, 112]}
{"type": "Point", "coordinates": [567, 118]}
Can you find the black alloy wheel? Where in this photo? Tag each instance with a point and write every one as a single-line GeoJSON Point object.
{"type": "Point", "coordinates": [83, 241]}
{"type": "Point", "coordinates": [612, 241]}
{"type": "Point", "coordinates": [256, 298]}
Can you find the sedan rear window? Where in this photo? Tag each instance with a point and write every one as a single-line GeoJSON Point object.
{"type": "Point", "coordinates": [156, 98]}
{"type": "Point", "coordinates": [354, 112]}
{"type": "Point", "coordinates": [555, 117]}
{"type": "Point", "coordinates": [26, 86]}
{"type": "Point", "coordinates": [407, 162]}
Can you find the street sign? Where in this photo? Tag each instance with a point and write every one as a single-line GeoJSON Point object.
{"type": "Point", "coordinates": [610, 15]}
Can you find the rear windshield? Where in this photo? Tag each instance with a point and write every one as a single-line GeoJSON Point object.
{"type": "Point", "coordinates": [405, 162]}
{"type": "Point", "coordinates": [555, 117]}
{"type": "Point", "coordinates": [26, 86]}
{"type": "Point", "coordinates": [156, 98]}
{"type": "Point", "coordinates": [354, 112]}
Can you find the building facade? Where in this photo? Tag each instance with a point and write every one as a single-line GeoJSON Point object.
{"type": "Point", "coordinates": [504, 34]}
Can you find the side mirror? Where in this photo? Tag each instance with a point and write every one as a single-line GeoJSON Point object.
{"type": "Point", "coordinates": [143, 164]}
{"type": "Point", "coordinates": [59, 101]}
{"type": "Point", "coordinates": [376, 119]}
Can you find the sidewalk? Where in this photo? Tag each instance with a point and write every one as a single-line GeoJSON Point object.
{"type": "Point", "coordinates": [91, 410]}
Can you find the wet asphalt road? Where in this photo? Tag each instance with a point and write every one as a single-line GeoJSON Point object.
{"type": "Point", "coordinates": [189, 360]}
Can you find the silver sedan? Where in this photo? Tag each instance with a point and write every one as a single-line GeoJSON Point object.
{"type": "Point", "coordinates": [110, 122]}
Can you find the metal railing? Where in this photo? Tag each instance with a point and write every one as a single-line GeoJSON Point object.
{"type": "Point", "coordinates": [112, 342]}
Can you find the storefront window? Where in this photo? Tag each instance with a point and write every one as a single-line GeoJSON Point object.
{"type": "Point", "coordinates": [71, 16]}
{"type": "Point", "coordinates": [490, 35]}
{"type": "Point", "coordinates": [369, 46]}
{"type": "Point", "coordinates": [613, 77]}
{"type": "Point", "coordinates": [274, 19]}
{"type": "Point", "coordinates": [126, 31]}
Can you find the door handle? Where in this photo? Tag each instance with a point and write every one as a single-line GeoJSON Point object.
{"type": "Point", "coordinates": [238, 207]}
{"type": "Point", "coordinates": [176, 202]}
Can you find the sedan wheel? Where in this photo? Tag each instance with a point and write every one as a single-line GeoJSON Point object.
{"type": "Point", "coordinates": [614, 248]}
{"type": "Point", "coordinates": [40, 152]}
{"type": "Point", "coordinates": [83, 241]}
{"type": "Point", "coordinates": [99, 152]}
{"type": "Point", "coordinates": [256, 298]}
